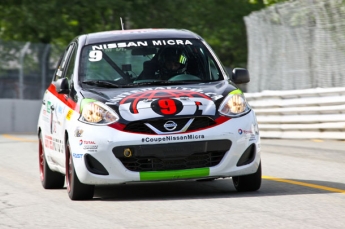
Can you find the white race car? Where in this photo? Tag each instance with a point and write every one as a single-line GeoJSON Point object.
{"type": "Point", "coordinates": [145, 105]}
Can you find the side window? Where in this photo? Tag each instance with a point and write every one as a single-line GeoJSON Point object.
{"type": "Point", "coordinates": [70, 68]}
{"type": "Point", "coordinates": [213, 70]}
{"type": "Point", "coordinates": [59, 73]}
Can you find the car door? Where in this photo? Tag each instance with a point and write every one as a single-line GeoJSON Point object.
{"type": "Point", "coordinates": [56, 108]}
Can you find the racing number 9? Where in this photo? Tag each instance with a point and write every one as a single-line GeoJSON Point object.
{"type": "Point", "coordinates": [95, 55]}
{"type": "Point", "coordinates": [167, 106]}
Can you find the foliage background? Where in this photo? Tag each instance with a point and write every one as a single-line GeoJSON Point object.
{"type": "Point", "coordinates": [56, 22]}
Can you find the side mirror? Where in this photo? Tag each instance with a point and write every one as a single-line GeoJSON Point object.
{"type": "Point", "coordinates": [62, 86]}
{"type": "Point", "coordinates": [240, 76]}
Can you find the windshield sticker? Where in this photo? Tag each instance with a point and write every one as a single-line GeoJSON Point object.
{"type": "Point", "coordinates": [140, 44]}
{"type": "Point", "coordinates": [95, 56]}
{"type": "Point", "coordinates": [171, 42]}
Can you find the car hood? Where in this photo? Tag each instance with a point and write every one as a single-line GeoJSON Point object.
{"type": "Point", "coordinates": [133, 104]}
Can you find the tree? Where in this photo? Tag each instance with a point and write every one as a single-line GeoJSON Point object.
{"type": "Point", "coordinates": [220, 22]}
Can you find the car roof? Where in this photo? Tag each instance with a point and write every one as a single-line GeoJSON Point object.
{"type": "Point", "coordinates": [137, 34]}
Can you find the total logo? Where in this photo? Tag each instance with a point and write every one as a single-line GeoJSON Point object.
{"type": "Point", "coordinates": [81, 142]}
{"type": "Point", "coordinates": [240, 131]}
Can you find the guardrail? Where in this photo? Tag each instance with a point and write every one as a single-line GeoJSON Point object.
{"type": "Point", "coordinates": [305, 114]}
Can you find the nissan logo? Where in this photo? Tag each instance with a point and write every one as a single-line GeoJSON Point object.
{"type": "Point", "coordinates": [170, 125]}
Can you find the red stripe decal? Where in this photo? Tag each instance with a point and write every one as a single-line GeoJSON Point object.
{"type": "Point", "coordinates": [64, 98]}
{"type": "Point", "coordinates": [221, 119]}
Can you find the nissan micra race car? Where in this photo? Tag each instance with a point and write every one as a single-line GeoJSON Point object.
{"type": "Point", "coordinates": [145, 105]}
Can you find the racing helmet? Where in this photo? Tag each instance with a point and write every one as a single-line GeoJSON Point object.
{"type": "Point", "coordinates": [173, 61]}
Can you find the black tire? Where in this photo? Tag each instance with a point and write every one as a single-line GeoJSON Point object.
{"type": "Point", "coordinates": [49, 179]}
{"type": "Point", "coordinates": [248, 183]}
{"type": "Point", "coordinates": [75, 189]}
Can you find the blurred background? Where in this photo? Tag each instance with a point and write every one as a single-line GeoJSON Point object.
{"type": "Point", "coordinates": [285, 44]}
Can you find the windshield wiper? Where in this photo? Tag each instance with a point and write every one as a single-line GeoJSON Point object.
{"type": "Point", "coordinates": [101, 83]}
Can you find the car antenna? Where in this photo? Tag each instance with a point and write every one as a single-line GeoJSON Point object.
{"type": "Point", "coordinates": [121, 23]}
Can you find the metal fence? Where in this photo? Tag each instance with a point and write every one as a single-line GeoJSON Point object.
{"type": "Point", "coordinates": [297, 45]}
{"type": "Point", "coordinates": [26, 69]}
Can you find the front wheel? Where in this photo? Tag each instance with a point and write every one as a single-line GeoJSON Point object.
{"type": "Point", "coordinates": [248, 183]}
{"type": "Point", "coordinates": [76, 190]}
{"type": "Point", "coordinates": [49, 179]}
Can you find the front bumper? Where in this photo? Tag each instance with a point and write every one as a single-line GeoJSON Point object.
{"type": "Point", "coordinates": [103, 155]}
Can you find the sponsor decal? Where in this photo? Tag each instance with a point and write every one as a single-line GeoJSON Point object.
{"type": "Point", "coordinates": [172, 138]}
{"type": "Point", "coordinates": [89, 142]}
{"type": "Point", "coordinates": [240, 131]}
{"type": "Point", "coordinates": [78, 132]}
{"type": "Point", "coordinates": [77, 155]}
{"type": "Point", "coordinates": [252, 137]}
{"type": "Point", "coordinates": [49, 104]}
{"type": "Point", "coordinates": [140, 44]}
{"type": "Point", "coordinates": [60, 109]}
{"type": "Point", "coordinates": [69, 114]}
{"type": "Point", "coordinates": [53, 143]}
{"type": "Point", "coordinates": [88, 145]}
{"type": "Point", "coordinates": [96, 53]}
{"type": "Point", "coordinates": [171, 42]}
{"type": "Point", "coordinates": [251, 134]}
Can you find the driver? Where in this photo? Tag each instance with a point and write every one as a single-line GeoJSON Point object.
{"type": "Point", "coordinates": [173, 61]}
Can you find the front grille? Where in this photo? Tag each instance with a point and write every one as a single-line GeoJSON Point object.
{"type": "Point", "coordinates": [174, 156]}
{"type": "Point", "coordinates": [198, 123]}
{"type": "Point", "coordinates": [156, 164]}
{"type": "Point", "coordinates": [138, 127]}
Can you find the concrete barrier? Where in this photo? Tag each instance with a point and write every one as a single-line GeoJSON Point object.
{"type": "Point", "coordinates": [19, 116]}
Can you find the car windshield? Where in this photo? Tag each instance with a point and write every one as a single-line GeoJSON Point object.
{"type": "Point", "coordinates": [130, 63]}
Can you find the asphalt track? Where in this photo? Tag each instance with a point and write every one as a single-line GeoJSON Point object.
{"type": "Point", "coordinates": [303, 187]}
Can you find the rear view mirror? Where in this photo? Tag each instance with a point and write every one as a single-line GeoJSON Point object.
{"type": "Point", "coordinates": [240, 76]}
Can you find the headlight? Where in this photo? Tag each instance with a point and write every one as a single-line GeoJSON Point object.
{"type": "Point", "coordinates": [97, 113]}
{"type": "Point", "coordinates": [234, 105]}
